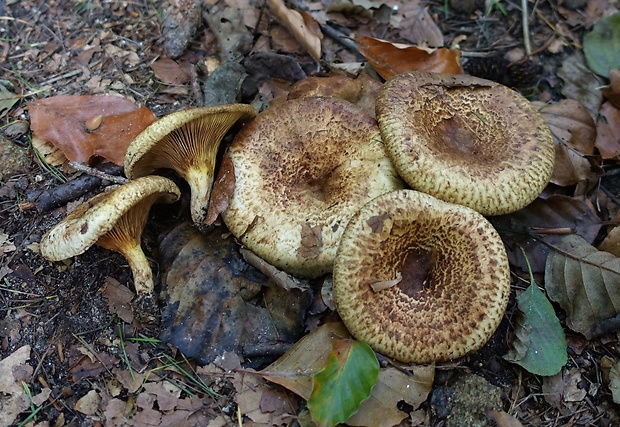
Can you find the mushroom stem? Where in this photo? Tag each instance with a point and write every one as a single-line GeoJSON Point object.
{"type": "Point", "coordinates": [139, 264]}
{"type": "Point", "coordinates": [200, 184]}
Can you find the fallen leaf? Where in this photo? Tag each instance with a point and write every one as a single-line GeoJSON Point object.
{"type": "Point", "coordinates": [612, 92]}
{"type": "Point", "coordinates": [608, 132]}
{"type": "Point", "coordinates": [574, 134]}
{"type": "Point", "coordinates": [170, 72]}
{"type": "Point", "coordinates": [580, 83]}
{"type": "Point", "coordinates": [389, 59]}
{"type": "Point", "coordinates": [223, 189]}
{"type": "Point", "coordinates": [585, 282]}
{"type": "Point", "coordinates": [614, 382]}
{"type": "Point", "coordinates": [361, 91]}
{"type": "Point", "coordinates": [294, 370]}
{"type": "Point", "coordinates": [611, 243]}
{"type": "Point", "coordinates": [119, 299]}
{"type": "Point", "coordinates": [61, 121]}
{"type": "Point", "coordinates": [13, 398]}
{"type": "Point", "coordinates": [89, 403]}
{"type": "Point", "coordinates": [7, 100]}
{"type": "Point", "coordinates": [301, 25]}
{"type": "Point", "coordinates": [417, 26]}
{"type": "Point", "coordinates": [540, 344]}
{"type": "Point", "coordinates": [346, 380]}
{"type": "Point", "coordinates": [544, 222]}
{"type": "Point", "coordinates": [311, 241]}
{"type": "Point", "coordinates": [502, 419]}
{"type": "Point", "coordinates": [216, 302]}
{"type": "Point", "coordinates": [602, 44]}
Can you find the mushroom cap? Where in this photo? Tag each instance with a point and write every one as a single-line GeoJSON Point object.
{"type": "Point", "coordinates": [466, 140]}
{"type": "Point", "coordinates": [302, 169]}
{"type": "Point", "coordinates": [186, 141]}
{"type": "Point", "coordinates": [440, 274]}
{"type": "Point", "coordinates": [93, 219]}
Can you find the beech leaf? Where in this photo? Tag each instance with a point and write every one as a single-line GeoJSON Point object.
{"type": "Point", "coordinates": [574, 133]}
{"type": "Point", "coordinates": [602, 44]}
{"type": "Point", "coordinates": [390, 59]}
{"type": "Point", "coordinates": [608, 131]}
{"type": "Point", "coordinates": [61, 120]}
{"type": "Point", "coordinates": [344, 383]}
{"type": "Point", "coordinates": [301, 25]}
{"type": "Point", "coordinates": [7, 100]}
{"type": "Point", "coordinates": [540, 343]}
{"type": "Point", "coordinates": [586, 284]}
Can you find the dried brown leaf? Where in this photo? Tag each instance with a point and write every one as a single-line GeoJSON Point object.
{"type": "Point", "coordinates": [223, 189]}
{"type": "Point", "coordinates": [586, 284]}
{"type": "Point", "coordinates": [119, 299]}
{"type": "Point", "coordinates": [608, 131]}
{"type": "Point", "coordinates": [417, 25]}
{"type": "Point", "coordinates": [574, 134]}
{"type": "Point", "coordinates": [612, 92]}
{"type": "Point", "coordinates": [170, 72]}
{"type": "Point", "coordinates": [611, 243]}
{"type": "Point", "coordinates": [13, 399]}
{"type": "Point", "coordinates": [61, 120]}
{"type": "Point", "coordinates": [390, 59]}
{"type": "Point", "coordinates": [301, 25]}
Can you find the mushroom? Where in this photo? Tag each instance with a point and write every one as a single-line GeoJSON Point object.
{"type": "Point", "coordinates": [302, 169]}
{"type": "Point", "coordinates": [466, 140]}
{"type": "Point", "coordinates": [114, 220]}
{"type": "Point", "coordinates": [419, 279]}
{"type": "Point", "coordinates": [186, 141]}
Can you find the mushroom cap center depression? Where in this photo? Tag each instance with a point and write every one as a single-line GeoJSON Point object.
{"type": "Point", "coordinates": [302, 169]}
{"type": "Point", "coordinates": [449, 272]}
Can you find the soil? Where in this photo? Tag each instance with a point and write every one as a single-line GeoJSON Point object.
{"type": "Point", "coordinates": [79, 341]}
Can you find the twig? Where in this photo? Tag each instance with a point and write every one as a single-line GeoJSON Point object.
{"type": "Point", "coordinates": [97, 173]}
{"type": "Point", "coordinates": [526, 28]}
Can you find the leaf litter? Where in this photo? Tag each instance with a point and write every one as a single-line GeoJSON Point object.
{"type": "Point", "coordinates": [121, 373]}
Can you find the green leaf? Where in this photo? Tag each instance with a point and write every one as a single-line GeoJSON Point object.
{"type": "Point", "coordinates": [540, 345]}
{"type": "Point", "coordinates": [7, 100]}
{"type": "Point", "coordinates": [602, 44]}
{"type": "Point", "coordinates": [350, 373]}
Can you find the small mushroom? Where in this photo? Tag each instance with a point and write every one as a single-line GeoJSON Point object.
{"type": "Point", "coordinates": [186, 141]}
{"type": "Point", "coordinates": [420, 280]}
{"type": "Point", "coordinates": [466, 140]}
{"type": "Point", "coordinates": [302, 169]}
{"type": "Point", "coordinates": [114, 220]}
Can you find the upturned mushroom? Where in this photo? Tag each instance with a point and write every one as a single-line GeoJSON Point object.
{"type": "Point", "coordinates": [420, 280]}
{"type": "Point", "coordinates": [302, 169]}
{"type": "Point", "coordinates": [186, 141]}
{"type": "Point", "coordinates": [115, 220]}
{"type": "Point", "coordinates": [466, 140]}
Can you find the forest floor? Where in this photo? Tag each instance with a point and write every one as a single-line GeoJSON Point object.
{"type": "Point", "coordinates": [73, 353]}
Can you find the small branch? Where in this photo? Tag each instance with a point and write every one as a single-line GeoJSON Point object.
{"type": "Point", "coordinates": [526, 28]}
{"type": "Point", "coordinates": [97, 173]}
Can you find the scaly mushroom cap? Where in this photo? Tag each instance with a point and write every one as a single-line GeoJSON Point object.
{"type": "Point", "coordinates": [113, 220]}
{"type": "Point", "coordinates": [186, 141]}
{"type": "Point", "coordinates": [302, 169]}
{"type": "Point", "coordinates": [466, 140]}
{"type": "Point", "coordinates": [419, 279]}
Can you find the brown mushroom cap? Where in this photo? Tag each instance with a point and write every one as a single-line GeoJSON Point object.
{"type": "Point", "coordinates": [439, 271]}
{"type": "Point", "coordinates": [186, 141]}
{"type": "Point", "coordinates": [302, 169]}
{"type": "Point", "coordinates": [114, 220]}
{"type": "Point", "coordinates": [466, 140]}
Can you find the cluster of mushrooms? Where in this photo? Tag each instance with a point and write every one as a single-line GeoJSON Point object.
{"type": "Point", "coordinates": [392, 207]}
